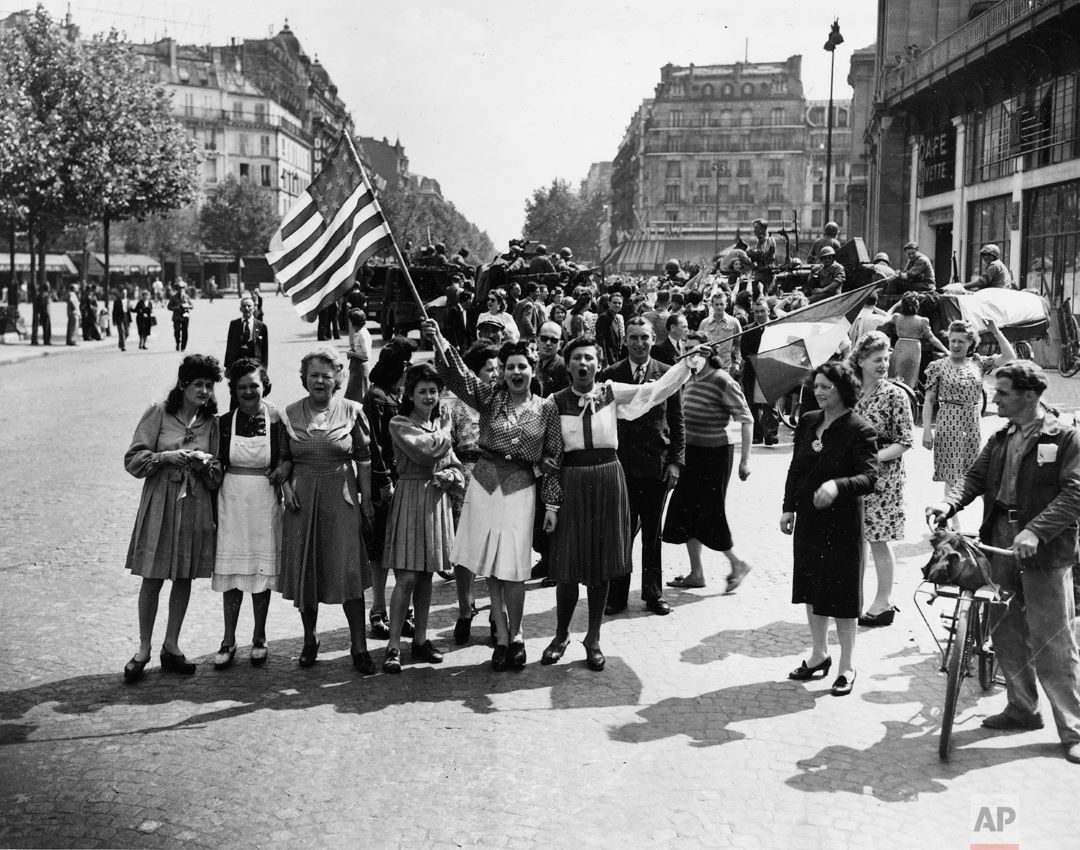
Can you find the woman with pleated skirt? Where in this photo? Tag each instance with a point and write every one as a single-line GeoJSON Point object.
{"type": "Point", "coordinates": [420, 529]}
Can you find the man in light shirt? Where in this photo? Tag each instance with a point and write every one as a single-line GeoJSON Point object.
{"type": "Point", "coordinates": [720, 328]}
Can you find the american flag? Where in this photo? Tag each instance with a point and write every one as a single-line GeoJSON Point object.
{"type": "Point", "coordinates": [327, 234]}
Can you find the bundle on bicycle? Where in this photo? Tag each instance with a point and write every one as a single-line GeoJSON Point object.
{"type": "Point", "coordinates": [1028, 475]}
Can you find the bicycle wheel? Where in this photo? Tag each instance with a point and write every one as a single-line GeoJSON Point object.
{"type": "Point", "coordinates": [980, 628]}
{"type": "Point", "coordinates": [955, 667]}
{"type": "Point", "coordinates": [1023, 350]}
{"type": "Point", "coordinates": [1069, 360]}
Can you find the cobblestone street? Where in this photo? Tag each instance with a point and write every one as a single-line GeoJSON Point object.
{"type": "Point", "coordinates": [692, 737]}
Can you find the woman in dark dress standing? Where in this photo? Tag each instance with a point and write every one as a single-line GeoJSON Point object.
{"type": "Point", "coordinates": [833, 465]}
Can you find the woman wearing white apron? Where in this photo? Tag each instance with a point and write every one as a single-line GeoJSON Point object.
{"type": "Point", "coordinates": [249, 508]}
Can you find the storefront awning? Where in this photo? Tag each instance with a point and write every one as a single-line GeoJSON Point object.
{"type": "Point", "coordinates": [53, 263]}
{"type": "Point", "coordinates": [125, 264]}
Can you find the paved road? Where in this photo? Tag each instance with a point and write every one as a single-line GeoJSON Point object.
{"type": "Point", "coordinates": [692, 737]}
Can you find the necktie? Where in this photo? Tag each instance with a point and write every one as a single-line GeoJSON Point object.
{"type": "Point", "coordinates": [247, 331]}
{"type": "Point", "coordinates": [639, 375]}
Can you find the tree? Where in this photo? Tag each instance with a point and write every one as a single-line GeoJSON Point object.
{"type": "Point", "coordinates": [412, 216]}
{"type": "Point", "coordinates": [238, 219]}
{"type": "Point", "coordinates": [563, 218]}
{"type": "Point", "coordinates": [85, 133]}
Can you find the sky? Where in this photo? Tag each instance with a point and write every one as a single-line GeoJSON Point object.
{"type": "Point", "coordinates": [496, 98]}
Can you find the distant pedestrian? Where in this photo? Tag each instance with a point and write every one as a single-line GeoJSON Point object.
{"type": "Point", "coordinates": [247, 337]}
{"type": "Point", "coordinates": [180, 306]}
{"type": "Point", "coordinates": [360, 344]}
{"type": "Point", "coordinates": [72, 313]}
{"type": "Point", "coordinates": [174, 450]}
{"type": "Point", "coordinates": [42, 303]}
{"type": "Point", "coordinates": [249, 507]}
{"type": "Point", "coordinates": [121, 317]}
{"type": "Point", "coordinates": [144, 317]}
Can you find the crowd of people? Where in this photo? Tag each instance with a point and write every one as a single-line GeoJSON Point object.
{"type": "Point", "coordinates": [557, 424]}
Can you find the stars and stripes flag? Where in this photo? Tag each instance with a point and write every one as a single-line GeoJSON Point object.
{"type": "Point", "coordinates": [796, 344]}
{"type": "Point", "coordinates": [334, 226]}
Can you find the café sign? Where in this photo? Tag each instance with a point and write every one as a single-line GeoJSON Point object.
{"type": "Point", "coordinates": [937, 161]}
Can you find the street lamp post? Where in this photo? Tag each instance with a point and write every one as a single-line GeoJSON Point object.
{"type": "Point", "coordinates": [835, 39]}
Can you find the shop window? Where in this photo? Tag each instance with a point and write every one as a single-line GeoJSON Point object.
{"type": "Point", "coordinates": [1052, 242]}
{"type": "Point", "coordinates": [988, 221]}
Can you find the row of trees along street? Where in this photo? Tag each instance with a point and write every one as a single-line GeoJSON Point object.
{"type": "Point", "coordinates": [561, 217]}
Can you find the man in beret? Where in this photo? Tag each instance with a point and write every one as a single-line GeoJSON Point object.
{"type": "Point", "coordinates": [918, 274]}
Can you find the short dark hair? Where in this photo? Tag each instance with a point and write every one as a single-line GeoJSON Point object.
{"type": "Point", "coordinates": [529, 288]}
{"type": "Point", "coordinates": [512, 349]}
{"type": "Point", "coordinates": [194, 367]}
{"type": "Point", "coordinates": [478, 354]}
{"type": "Point", "coordinates": [1024, 375]}
{"type": "Point", "coordinates": [576, 343]}
{"type": "Point", "coordinates": [245, 366]}
{"type": "Point", "coordinates": [843, 377]}
{"type": "Point", "coordinates": [416, 375]}
{"type": "Point", "coordinates": [673, 320]}
{"type": "Point", "coordinates": [909, 304]}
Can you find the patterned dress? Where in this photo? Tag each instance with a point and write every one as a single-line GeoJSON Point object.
{"type": "Point", "coordinates": [888, 410]}
{"type": "Point", "coordinates": [322, 553]}
{"type": "Point", "coordinates": [959, 392]}
{"type": "Point", "coordinates": [465, 432]}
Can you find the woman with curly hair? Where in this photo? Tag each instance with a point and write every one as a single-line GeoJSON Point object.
{"type": "Point", "coordinates": [249, 507]}
{"type": "Point", "coordinates": [497, 314]}
{"type": "Point", "coordinates": [913, 335]}
{"type": "Point", "coordinates": [174, 452]}
{"type": "Point", "coordinates": [327, 496]}
{"type": "Point", "coordinates": [888, 409]}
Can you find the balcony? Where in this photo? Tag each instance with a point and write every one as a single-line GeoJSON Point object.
{"type": "Point", "coordinates": [969, 45]}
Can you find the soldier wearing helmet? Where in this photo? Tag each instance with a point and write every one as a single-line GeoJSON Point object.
{"type": "Point", "coordinates": [826, 279]}
{"type": "Point", "coordinates": [995, 274]}
{"type": "Point", "coordinates": [673, 274]}
{"type": "Point", "coordinates": [762, 255]}
{"type": "Point", "coordinates": [566, 263]}
{"type": "Point", "coordinates": [832, 230]}
{"type": "Point", "coordinates": [541, 263]}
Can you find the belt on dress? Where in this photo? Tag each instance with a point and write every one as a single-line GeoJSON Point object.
{"type": "Point", "coordinates": [589, 457]}
{"type": "Point", "coordinates": [469, 455]}
{"type": "Point", "coordinates": [495, 457]}
{"type": "Point", "coordinates": [957, 403]}
{"type": "Point", "coordinates": [245, 470]}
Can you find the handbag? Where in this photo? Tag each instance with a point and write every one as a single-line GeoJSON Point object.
{"type": "Point", "coordinates": [153, 321]}
{"type": "Point", "coordinates": [957, 560]}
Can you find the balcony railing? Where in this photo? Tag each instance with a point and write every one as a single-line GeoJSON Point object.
{"type": "Point", "coordinates": [991, 22]}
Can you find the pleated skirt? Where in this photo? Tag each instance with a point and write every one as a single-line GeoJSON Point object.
{"type": "Point", "coordinates": [591, 543]}
{"type": "Point", "coordinates": [420, 530]}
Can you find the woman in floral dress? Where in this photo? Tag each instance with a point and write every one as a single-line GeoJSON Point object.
{"type": "Point", "coordinates": [888, 409]}
{"type": "Point", "coordinates": [954, 385]}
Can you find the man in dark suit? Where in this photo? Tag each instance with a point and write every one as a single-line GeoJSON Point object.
{"type": "Point", "coordinates": [248, 337]}
{"type": "Point", "coordinates": [674, 345]}
{"type": "Point", "coordinates": [652, 451]}
{"type": "Point", "coordinates": [121, 317]}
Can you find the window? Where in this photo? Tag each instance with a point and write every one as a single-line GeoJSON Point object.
{"type": "Point", "coordinates": [1052, 241]}
{"type": "Point", "coordinates": [672, 169]}
{"type": "Point", "coordinates": [704, 168]}
{"type": "Point", "coordinates": [840, 168]}
{"type": "Point", "coordinates": [238, 110]}
{"type": "Point", "coordinates": [839, 192]}
{"type": "Point", "coordinates": [838, 217]}
{"type": "Point", "coordinates": [703, 194]}
{"type": "Point", "coordinates": [818, 194]}
{"type": "Point", "coordinates": [674, 144]}
{"type": "Point", "coordinates": [673, 194]}
{"type": "Point", "coordinates": [672, 215]}
{"type": "Point", "coordinates": [264, 145]}
{"type": "Point", "coordinates": [988, 221]}
{"type": "Point", "coordinates": [703, 214]}
{"type": "Point", "coordinates": [727, 90]}
{"type": "Point", "coordinates": [210, 171]}
{"type": "Point", "coordinates": [815, 219]}
{"type": "Point", "coordinates": [725, 118]}
{"type": "Point", "coordinates": [260, 112]}
{"type": "Point", "coordinates": [189, 104]}
{"type": "Point", "coordinates": [242, 142]}
{"type": "Point", "coordinates": [706, 118]}
{"type": "Point", "coordinates": [841, 118]}
{"type": "Point", "coordinates": [1048, 128]}
{"type": "Point", "coordinates": [776, 115]}
{"type": "Point", "coordinates": [776, 168]}
{"type": "Point", "coordinates": [746, 118]}
{"type": "Point", "coordinates": [744, 196]}
{"type": "Point", "coordinates": [264, 175]}
{"type": "Point", "coordinates": [744, 168]}
{"type": "Point", "coordinates": [779, 84]}
{"type": "Point", "coordinates": [989, 152]}
{"type": "Point", "coordinates": [748, 89]}
{"type": "Point", "coordinates": [245, 172]}
{"type": "Point", "coordinates": [776, 194]}
{"type": "Point", "coordinates": [676, 118]}
{"type": "Point", "coordinates": [774, 215]}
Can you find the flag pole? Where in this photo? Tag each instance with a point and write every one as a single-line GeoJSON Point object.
{"type": "Point", "coordinates": [393, 241]}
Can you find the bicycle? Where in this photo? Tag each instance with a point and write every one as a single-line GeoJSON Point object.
{"type": "Point", "coordinates": [1069, 359]}
{"type": "Point", "coordinates": [968, 639]}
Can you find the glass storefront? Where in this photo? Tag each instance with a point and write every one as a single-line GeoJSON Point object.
{"type": "Point", "coordinates": [1051, 241]}
{"type": "Point", "coordinates": [988, 222]}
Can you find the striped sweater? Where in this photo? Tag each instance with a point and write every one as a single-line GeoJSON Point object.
{"type": "Point", "coordinates": [710, 403]}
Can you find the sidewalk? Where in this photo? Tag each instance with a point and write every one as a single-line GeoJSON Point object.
{"type": "Point", "coordinates": [16, 352]}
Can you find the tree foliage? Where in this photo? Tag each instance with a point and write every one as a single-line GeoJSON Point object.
{"type": "Point", "coordinates": [412, 215]}
{"type": "Point", "coordinates": [238, 219]}
{"type": "Point", "coordinates": [561, 217]}
{"type": "Point", "coordinates": [85, 133]}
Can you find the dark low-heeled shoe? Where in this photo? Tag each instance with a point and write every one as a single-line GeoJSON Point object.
{"type": "Point", "coordinates": [133, 670]}
{"type": "Point", "coordinates": [380, 625]}
{"type": "Point", "coordinates": [804, 673]}
{"type": "Point", "coordinates": [225, 657]}
{"type": "Point", "coordinates": [516, 656]}
{"type": "Point", "coordinates": [882, 618]}
{"type": "Point", "coordinates": [363, 663]}
{"type": "Point", "coordinates": [408, 628]}
{"type": "Point", "coordinates": [309, 653]}
{"type": "Point", "coordinates": [594, 658]}
{"type": "Point", "coordinates": [176, 663]}
{"type": "Point", "coordinates": [554, 652]}
{"type": "Point", "coordinates": [498, 658]}
{"type": "Point", "coordinates": [392, 662]}
{"type": "Point", "coordinates": [427, 651]}
{"type": "Point", "coordinates": [462, 630]}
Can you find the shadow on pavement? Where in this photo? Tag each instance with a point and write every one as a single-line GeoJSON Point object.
{"type": "Point", "coordinates": [774, 640]}
{"type": "Point", "coordinates": [209, 696]}
{"type": "Point", "coordinates": [705, 718]}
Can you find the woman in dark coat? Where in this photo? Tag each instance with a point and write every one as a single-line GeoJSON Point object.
{"type": "Point", "coordinates": [833, 466]}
